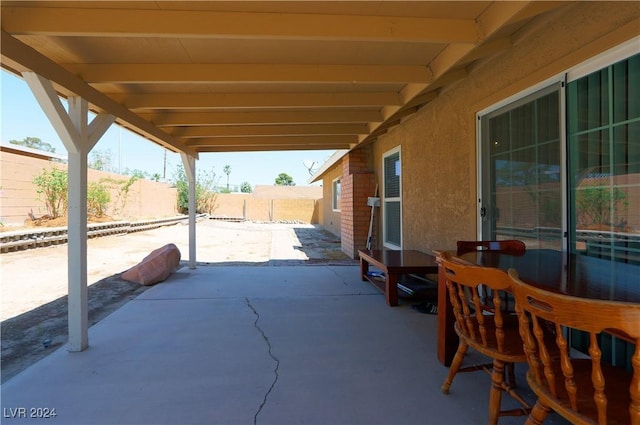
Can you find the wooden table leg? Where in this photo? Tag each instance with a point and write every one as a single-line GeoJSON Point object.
{"type": "Point", "coordinates": [364, 268]}
{"type": "Point", "coordinates": [391, 289]}
{"type": "Point", "coordinates": [447, 337]}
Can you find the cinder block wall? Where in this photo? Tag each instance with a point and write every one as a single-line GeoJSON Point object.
{"type": "Point", "coordinates": [146, 199]}
{"type": "Point", "coordinates": [18, 196]}
{"type": "Point", "coordinates": [250, 207]}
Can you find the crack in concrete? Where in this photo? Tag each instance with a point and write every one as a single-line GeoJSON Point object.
{"type": "Point", "coordinates": [277, 361]}
{"type": "Point", "coordinates": [333, 270]}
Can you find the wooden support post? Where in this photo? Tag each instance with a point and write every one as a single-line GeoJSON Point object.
{"type": "Point", "coordinates": [189, 163]}
{"type": "Point", "coordinates": [79, 138]}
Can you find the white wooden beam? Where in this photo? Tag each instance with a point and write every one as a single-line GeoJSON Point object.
{"type": "Point", "coordinates": [98, 127]}
{"type": "Point", "coordinates": [77, 298]}
{"type": "Point", "coordinates": [490, 21]}
{"type": "Point", "coordinates": [189, 164]}
{"type": "Point", "coordinates": [268, 117]}
{"type": "Point", "coordinates": [273, 141]}
{"type": "Point", "coordinates": [78, 137]}
{"type": "Point", "coordinates": [278, 148]}
{"type": "Point", "coordinates": [22, 58]}
{"type": "Point", "coordinates": [51, 105]}
{"type": "Point", "coordinates": [254, 100]}
{"type": "Point", "coordinates": [128, 22]}
{"type": "Point", "coordinates": [269, 130]}
{"type": "Point", "coordinates": [499, 13]}
{"type": "Point", "coordinates": [188, 73]}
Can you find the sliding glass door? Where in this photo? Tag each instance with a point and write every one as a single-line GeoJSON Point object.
{"type": "Point", "coordinates": [521, 168]}
{"type": "Point", "coordinates": [523, 160]}
{"type": "Point", "coordinates": [603, 112]}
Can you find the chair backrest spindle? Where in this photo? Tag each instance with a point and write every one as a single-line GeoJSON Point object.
{"type": "Point", "coordinates": [583, 390]}
{"type": "Point", "coordinates": [509, 246]}
{"type": "Point", "coordinates": [469, 309]}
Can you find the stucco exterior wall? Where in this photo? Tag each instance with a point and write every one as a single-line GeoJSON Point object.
{"type": "Point", "coordinates": [330, 218]}
{"type": "Point", "coordinates": [438, 143]}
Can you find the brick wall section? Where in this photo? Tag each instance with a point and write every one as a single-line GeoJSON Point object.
{"type": "Point", "coordinates": [358, 184]}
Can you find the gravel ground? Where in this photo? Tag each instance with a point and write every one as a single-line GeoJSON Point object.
{"type": "Point", "coordinates": [33, 303]}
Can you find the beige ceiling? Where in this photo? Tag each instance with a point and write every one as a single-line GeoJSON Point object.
{"type": "Point", "coordinates": [211, 76]}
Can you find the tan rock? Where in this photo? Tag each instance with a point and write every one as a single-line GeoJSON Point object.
{"type": "Point", "coordinates": [155, 267]}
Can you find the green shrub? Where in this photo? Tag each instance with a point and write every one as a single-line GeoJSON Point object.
{"type": "Point", "coordinates": [245, 187]}
{"type": "Point", "coordinates": [121, 188]}
{"type": "Point", "coordinates": [98, 199]}
{"type": "Point", "coordinates": [52, 187]}
{"type": "Point", "coordinates": [206, 198]}
{"type": "Point", "coordinates": [596, 204]}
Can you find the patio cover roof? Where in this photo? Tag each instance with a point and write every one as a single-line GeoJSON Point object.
{"type": "Point", "coordinates": [257, 76]}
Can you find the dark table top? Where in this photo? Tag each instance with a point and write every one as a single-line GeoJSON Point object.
{"type": "Point", "coordinates": [400, 259]}
{"type": "Point", "coordinates": [572, 274]}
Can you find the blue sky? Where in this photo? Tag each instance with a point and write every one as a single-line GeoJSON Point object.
{"type": "Point", "coordinates": [22, 117]}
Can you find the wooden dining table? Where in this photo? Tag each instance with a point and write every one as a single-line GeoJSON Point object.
{"type": "Point", "coordinates": [572, 274]}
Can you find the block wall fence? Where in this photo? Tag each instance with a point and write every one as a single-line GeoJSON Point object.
{"type": "Point", "coordinates": [146, 199]}
{"type": "Point", "coordinates": [249, 207]}
{"type": "Point", "coordinates": [18, 196]}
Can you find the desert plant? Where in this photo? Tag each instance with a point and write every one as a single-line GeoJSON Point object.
{"type": "Point", "coordinates": [594, 204]}
{"type": "Point", "coordinates": [206, 202]}
{"type": "Point", "coordinates": [206, 197]}
{"type": "Point", "coordinates": [98, 199]}
{"type": "Point", "coordinates": [122, 188]}
{"type": "Point", "coordinates": [51, 186]}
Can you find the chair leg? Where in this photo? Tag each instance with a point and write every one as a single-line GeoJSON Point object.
{"type": "Point", "coordinates": [511, 373]}
{"type": "Point", "coordinates": [538, 414]}
{"type": "Point", "coordinates": [495, 394]}
{"type": "Point", "coordinates": [455, 366]}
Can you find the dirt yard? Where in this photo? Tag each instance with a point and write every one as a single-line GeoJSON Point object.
{"type": "Point", "coordinates": [33, 303]}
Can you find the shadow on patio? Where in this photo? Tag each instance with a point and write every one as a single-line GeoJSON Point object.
{"type": "Point", "coordinates": [242, 345]}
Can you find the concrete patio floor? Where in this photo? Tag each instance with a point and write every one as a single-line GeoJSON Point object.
{"type": "Point", "coordinates": [253, 345]}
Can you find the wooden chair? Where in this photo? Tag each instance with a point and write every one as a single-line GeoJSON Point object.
{"type": "Point", "coordinates": [582, 390]}
{"type": "Point", "coordinates": [510, 246]}
{"type": "Point", "coordinates": [494, 335]}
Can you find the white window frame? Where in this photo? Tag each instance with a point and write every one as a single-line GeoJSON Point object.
{"type": "Point", "coordinates": [385, 200]}
{"type": "Point", "coordinates": [336, 195]}
{"type": "Point", "coordinates": [605, 59]}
